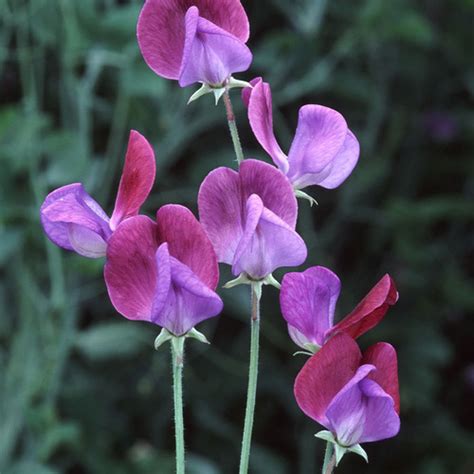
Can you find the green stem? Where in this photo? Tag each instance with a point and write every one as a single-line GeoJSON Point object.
{"type": "Point", "coordinates": [234, 133]}
{"type": "Point", "coordinates": [329, 459]}
{"type": "Point", "coordinates": [177, 353]}
{"type": "Point", "coordinates": [252, 384]}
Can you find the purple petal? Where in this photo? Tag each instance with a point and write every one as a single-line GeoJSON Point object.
{"type": "Point", "coordinates": [347, 411]}
{"type": "Point", "coordinates": [247, 91]}
{"type": "Point", "coordinates": [130, 270]}
{"type": "Point", "coordinates": [86, 242]}
{"type": "Point", "coordinates": [210, 53]}
{"type": "Point", "coordinates": [72, 205]}
{"type": "Point", "coordinates": [381, 418]}
{"type": "Point", "coordinates": [182, 300]}
{"type": "Point", "coordinates": [188, 242]}
{"type": "Point", "coordinates": [320, 136]}
{"type": "Point", "coordinates": [260, 115]}
{"type": "Point", "coordinates": [267, 243]}
{"type": "Point", "coordinates": [137, 179]}
{"type": "Point", "coordinates": [220, 211]}
{"type": "Point", "coordinates": [161, 29]}
{"type": "Point", "coordinates": [308, 300]}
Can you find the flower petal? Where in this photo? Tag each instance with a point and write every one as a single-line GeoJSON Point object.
{"type": "Point", "coordinates": [130, 270]}
{"type": "Point", "coordinates": [347, 411]}
{"type": "Point", "coordinates": [308, 300]}
{"type": "Point", "coordinates": [370, 311]}
{"type": "Point", "coordinates": [325, 374]}
{"type": "Point", "coordinates": [72, 205]}
{"type": "Point", "coordinates": [384, 357]}
{"type": "Point", "coordinates": [210, 54]}
{"type": "Point", "coordinates": [188, 300]}
{"type": "Point", "coordinates": [273, 188]}
{"type": "Point", "coordinates": [319, 137]}
{"type": "Point", "coordinates": [267, 243]}
{"type": "Point", "coordinates": [137, 179]}
{"type": "Point", "coordinates": [247, 91]}
{"type": "Point", "coordinates": [220, 211]}
{"type": "Point", "coordinates": [86, 242]}
{"type": "Point", "coordinates": [161, 29]}
{"type": "Point", "coordinates": [188, 242]}
{"type": "Point", "coordinates": [260, 115]}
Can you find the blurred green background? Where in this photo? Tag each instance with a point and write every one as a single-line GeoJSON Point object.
{"type": "Point", "coordinates": [81, 389]}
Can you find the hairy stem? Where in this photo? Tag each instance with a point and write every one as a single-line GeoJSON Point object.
{"type": "Point", "coordinates": [234, 133]}
{"type": "Point", "coordinates": [252, 383]}
{"type": "Point", "coordinates": [177, 353]}
{"type": "Point", "coordinates": [329, 459]}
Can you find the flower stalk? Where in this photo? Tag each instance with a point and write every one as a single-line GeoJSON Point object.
{"type": "Point", "coordinates": [177, 359]}
{"type": "Point", "coordinates": [234, 133]}
{"type": "Point", "coordinates": [329, 459]}
{"type": "Point", "coordinates": [252, 382]}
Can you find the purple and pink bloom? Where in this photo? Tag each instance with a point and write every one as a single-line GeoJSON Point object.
{"type": "Point", "coordinates": [250, 218]}
{"type": "Point", "coordinates": [163, 272]}
{"type": "Point", "coordinates": [74, 221]}
{"type": "Point", "coordinates": [308, 301]}
{"type": "Point", "coordinates": [355, 396]}
{"type": "Point", "coordinates": [194, 41]}
{"type": "Point", "coordinates": [324, 151]}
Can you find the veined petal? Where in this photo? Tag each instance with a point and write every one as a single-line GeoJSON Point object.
{"type": "Point", "coordinates": [319, 137]}
{"type": "Point", "coordinates": [86, 242]}
{"type": "Point", "coordinates": [325, 374]}
{"type": "Point", "coordinates": [161, 29]}
{"type": "Point", "coordinates": [130, 270]}
{"type": "Point", "coordinates": [188, 242]}
{"type": "Point", "coordinates": [308, 300]}
{"type": "Point", "coordinates": [137, 179]}
{"type": "Point", "coordinates": [267, 243]}
{"type": "Point", "coordinates": [260, 114]}
{"type": "Point", "coordinates": [384, 357]}
{"type": "Point", "coordinates": [188, 300]}
{"type": "Point", "coordinates": [247, 91]}
{"type": "Point", "coordinates": [370, 311]}
{"type": "Point", "coordinates": [72, 205]}
{"type": "Point", "coordinates": [210, 54]}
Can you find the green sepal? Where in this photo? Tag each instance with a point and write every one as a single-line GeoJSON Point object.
{"type": "Point", "coordinates": [233, 83]}
{"type": "Point", "coordinates": [203, 90]}
{"type": "Point", "coordinates": [339, 449]}
{"type": "Point", "coordinates": [300, 194]}
{"type": "Point", "coordinates": [163, 337]}
{"type": "Point", "coordinates": [199, 336]}
{"type": "Point", "coordinates": [244, 279]}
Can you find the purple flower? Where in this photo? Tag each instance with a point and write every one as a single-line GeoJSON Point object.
{"type": "Point", "coordinates": [194, 40]}
{"type": "Point", "coordinates": [250, 217]}
{"type": "Point", "coordinates": [324, 150]}
{"type": "Point", "coordinates": [74, 221]}
{"type": "Point", "coordinates": [163, 272]}
{"type": "Point", "coordinates": [308, 301]}
{"type": "Point", "coordinates": [354, 396]}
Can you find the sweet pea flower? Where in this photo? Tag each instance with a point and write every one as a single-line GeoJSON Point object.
{"type": "Point", "coordinates": [74, 221]}
{"type": "Point", "coordinates": [250, 217]}
{"type": "Point", "coordinates": [324, 151]}
{"type": "Point", "coordinates": [194, 41]}
{"type": "Point", "coordinates": [163, 272]}
{"type": "Point", "coordinates": [308, 300]}
{"type": "Point", "coordinates": [354, 396]}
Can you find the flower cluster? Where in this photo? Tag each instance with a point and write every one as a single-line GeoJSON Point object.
{"type": "Point", "coordinates": [165, 270]}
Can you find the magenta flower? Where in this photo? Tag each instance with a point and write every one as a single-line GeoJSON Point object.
{"type": "Point", "coordinates": [163, 272]}
{"type": "Point", "coordinates": [324, 150]}
{"type": "Point", "coordinates": [354, 396]}
{"type": "Point", "coordinates": [74, 221]}
{"type": "Point", "coordinates": [194, 40]}
{"type": "Point", "coordinates": [308, 301]}
{"type": "Point", "coordinates": [250, 217]}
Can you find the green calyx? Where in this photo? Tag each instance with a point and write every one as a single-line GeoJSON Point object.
{"type": "Point", "coordinates": [218, 90]}
{"type": "Point", "coordinates": [178, 341]}
{"type": "Point", "coordinates": [300, 194]}
{"type": "Point", "coordinates": [244, 279]}
{"type": "Point", "coordinates": [339, 449]}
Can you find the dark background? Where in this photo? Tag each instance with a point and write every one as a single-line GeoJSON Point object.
{"type": "Point", "coordinates": [81, 389]}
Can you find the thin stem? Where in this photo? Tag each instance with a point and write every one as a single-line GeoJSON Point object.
{"type": "Point", "coordinates": [177, 352]}
{"type": "Point", "coordinates": [234, 133]}
{"type": "Point", "coordinates": [252, 384]}
{"type": "Point", "coordinates": [329, 459]}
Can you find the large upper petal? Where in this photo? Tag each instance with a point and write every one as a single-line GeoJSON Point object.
{"type": "Point", "coordinates": [308, 300]}
{"type": "Point", "coordinates": [161, 29]}
{"type": "Point", "coordinates": [267, 243]}
{"type": "Point", "coordinates": [320, 136]}
{"type": "Point", "coordinates": [137, 179]}
{"type": "Point", "coordinates": [130, 270]}
{"type": "Point", "coordinates": [188, 242]}
{"type": "Point", "coordinates": [325, 374]}
{"type": "Point", "coordinates": [260, 113]}
{"type": "Point", "coordinates": [371, 310]}
{"type": "Point", "coordinates": [211, 54]}
{"type": "Point", "coordinates": [68, 212]}
{"type": "Point", "coordinates": [384, 357]}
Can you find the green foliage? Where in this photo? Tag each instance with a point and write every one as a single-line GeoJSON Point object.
{"type": "Point", "coordinates": [81, 389]}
